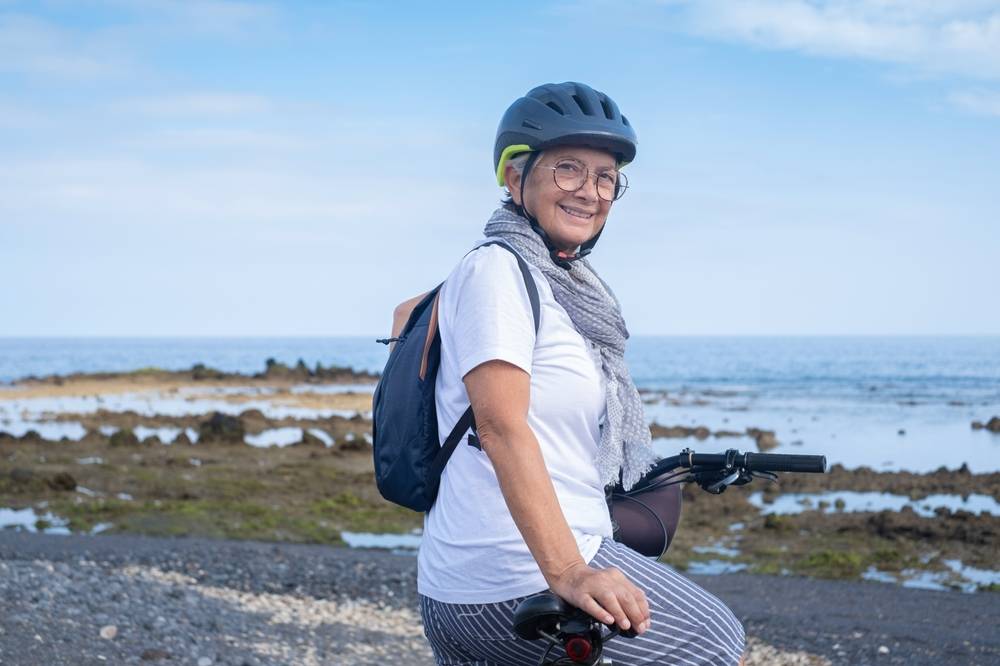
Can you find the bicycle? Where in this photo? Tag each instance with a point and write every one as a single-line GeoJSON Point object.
{"type": "Point", "coordinates": [545, 616]}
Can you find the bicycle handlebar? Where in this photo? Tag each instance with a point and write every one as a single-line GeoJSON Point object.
{"type": "Point", "coordinates": [783, 462]}
{"type": "Point", "coordinates": [733, 459]}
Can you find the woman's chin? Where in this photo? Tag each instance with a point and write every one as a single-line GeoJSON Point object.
{"type": "Point", "coordinates": [572, 234]}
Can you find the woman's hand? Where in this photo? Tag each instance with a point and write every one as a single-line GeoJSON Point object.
{"type": "Point", "coordinates": [606, 594]}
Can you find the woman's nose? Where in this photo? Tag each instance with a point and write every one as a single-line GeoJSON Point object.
{"type": "Point", "coordinates": [588, 190]}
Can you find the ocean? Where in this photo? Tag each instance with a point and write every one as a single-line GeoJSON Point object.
{"type": "Point", "coordinates": [885, 402]}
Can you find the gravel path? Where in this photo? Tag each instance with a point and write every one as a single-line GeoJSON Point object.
{"type": "Point", "coordinates": [117, 599]}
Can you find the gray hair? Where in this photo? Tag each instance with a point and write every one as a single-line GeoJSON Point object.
{"type": "Point", "coordinates": [517, 162]}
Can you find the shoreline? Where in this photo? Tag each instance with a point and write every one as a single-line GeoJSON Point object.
{"type": "Point", "coordinates": [283, 456]}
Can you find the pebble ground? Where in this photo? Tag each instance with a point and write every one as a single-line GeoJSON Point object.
{"type": "Point", "coordinates": [116, 599]}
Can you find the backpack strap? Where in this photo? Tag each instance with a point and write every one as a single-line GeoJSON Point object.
{"type": "Point", "coordinates": [467, 420]}
{"type": "Point", "coordinates": [529, 281]}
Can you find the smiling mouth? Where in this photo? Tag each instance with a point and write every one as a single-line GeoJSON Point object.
{"type": "Point", "coordinates": [579, 214]}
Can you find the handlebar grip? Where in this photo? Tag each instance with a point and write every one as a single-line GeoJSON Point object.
{"type": "Point", "coordinates": [783, 462]}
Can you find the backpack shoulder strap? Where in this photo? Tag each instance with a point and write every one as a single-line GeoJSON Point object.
{"type": "Point", "coordinates": [467, 420]}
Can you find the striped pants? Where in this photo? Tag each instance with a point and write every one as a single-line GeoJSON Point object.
{"type": "Point", "coordinates": [688, 626]}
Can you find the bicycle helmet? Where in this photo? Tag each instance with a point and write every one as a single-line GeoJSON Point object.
{"type": "Point", "coordinates": [560, 114]}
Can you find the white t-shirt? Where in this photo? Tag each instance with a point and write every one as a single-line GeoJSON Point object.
{"type": "Point", "coordinates": [472, 551]}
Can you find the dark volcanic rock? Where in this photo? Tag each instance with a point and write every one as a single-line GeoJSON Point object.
{"type": "Point", "coordinates": [765, 439]}
{"type": "Point", "coordinates": [21, 476]}
{"type": "Point", "coordinates": [278, 370]}
{"type": "Point", "coordinates": [959, 526]}
{"type": "Point", "coordinates": [993, 425]}
{"type": "Point", "coordinates": [199, 371]}
{"type": "Point", "coordinates": [309, 439]}
{"type": "Point", "coordinates": [154, 654]}
{"type": "Point", "coordinates": [352, 445]}
{"type": "Point", "coordinates": [221, 428]}
{"type": "Point", "coordinates": [62, 481]}
{"type": "Point", "coordinates": [124, 438]}
{"type": "Point", "coordinates": [678, 431]}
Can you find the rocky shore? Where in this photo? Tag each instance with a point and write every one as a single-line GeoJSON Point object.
{"type": "Point", "coordinates": [283, 457]}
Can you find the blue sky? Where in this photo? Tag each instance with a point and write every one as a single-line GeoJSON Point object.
{"type": "Point", "coordinates": [255, 168]}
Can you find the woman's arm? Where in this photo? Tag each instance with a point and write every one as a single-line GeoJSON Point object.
{"type": "Point", "coordinates": [499, 393]}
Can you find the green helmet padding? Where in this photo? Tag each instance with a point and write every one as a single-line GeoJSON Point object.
{"type": "Point", "coordinates": [509, 152]}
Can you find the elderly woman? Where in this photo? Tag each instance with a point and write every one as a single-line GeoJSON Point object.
{"type": "Point", "coordinates": [522, 508]}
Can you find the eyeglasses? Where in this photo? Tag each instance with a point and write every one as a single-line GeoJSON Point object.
{"type": "Point", "coordinates": [570, 176]}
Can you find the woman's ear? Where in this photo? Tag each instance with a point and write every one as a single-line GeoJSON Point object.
{"type": "Point", "coordinates": [512, 179]}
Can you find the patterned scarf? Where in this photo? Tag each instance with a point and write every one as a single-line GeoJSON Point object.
{"type": "Point", "coordinates": [596, 314]}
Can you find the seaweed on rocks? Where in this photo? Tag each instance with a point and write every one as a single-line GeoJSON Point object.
{"type": "Point", "coordinates": [199, 372]}
{"type": "Point", "coordinates": [62, 481]}
{"type": "Point", "coordinates": [124, 437]}
{"type": "Point", "coordinates": [222, 428]}
{"type": "Point", "coordinates": [993, 425]}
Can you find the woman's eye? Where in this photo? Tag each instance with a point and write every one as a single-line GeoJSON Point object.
{"type": "Point", "coordinates": [568, 168]}
{"type": "Point", "coordinates": [609, 178]}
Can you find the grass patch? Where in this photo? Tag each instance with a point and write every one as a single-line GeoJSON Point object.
{"type": "Point", "coordinates": [832, 564]}
{"type": "Point", "coordinates": [148, 370]}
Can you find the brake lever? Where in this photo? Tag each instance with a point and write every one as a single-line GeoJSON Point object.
{"type": "Point", "coordinates": [767, 476]}
{"type": "Point", "coordinates": [720, 486]}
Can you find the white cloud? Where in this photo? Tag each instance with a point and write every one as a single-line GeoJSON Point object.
{"type": "Point", "coordinates": [980, 102]}
{"type": "Point", "coordinates": [203, 139]}
{"type": "Point", "coordinates": [196, 104]}
{"type": "Point", "coordinates": [960, 37]}
{"type": "Point", "coordinates": [35, 46]}
{"type": "Point", "coordinates": [221, 17]}
{"type": "Point", "coordinates": [32, 46]}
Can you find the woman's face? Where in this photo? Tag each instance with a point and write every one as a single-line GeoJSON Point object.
{"type": "Point", "coordinates": [569, 218]}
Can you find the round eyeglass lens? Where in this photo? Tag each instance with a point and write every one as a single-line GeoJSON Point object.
{"type": "Point", "coordinates": [569, 176]}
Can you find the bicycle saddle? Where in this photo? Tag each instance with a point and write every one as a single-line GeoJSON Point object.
{"type": "Point", "coordinates": [540, 611]}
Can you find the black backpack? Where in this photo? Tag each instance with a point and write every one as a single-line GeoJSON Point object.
{"type": "Point", "coordinates": [409, 457]}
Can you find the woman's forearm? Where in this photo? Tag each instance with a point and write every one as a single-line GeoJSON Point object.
{"type": "Point", "coordinates": [531, 499]}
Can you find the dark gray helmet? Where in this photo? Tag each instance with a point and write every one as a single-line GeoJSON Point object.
{"type": "Point", "coordinates": [558, 114]}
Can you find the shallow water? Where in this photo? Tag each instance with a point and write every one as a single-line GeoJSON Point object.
{"type": "Point", "coordinates": [54, 430]}
{"type": "Point", "coordinates": [959, 576]}
{"type": "Point", "coordinates": [151, 404]}
{"type": "Point", "coordinates": [715, 567]}
{"type": "Point", "coordinates": [274, 437]}
{"type": "Point", "coordinates": [333, 389]}
{"type": "Point", "coordinates": [387, 541]}
{"type": "Point", "coordinates": [854, 502]}
{"type": "Point", "coordinates": [844, 397]}
{"type": "Point", "coordinates": [322, 435]}
{"type": "Point", "coordinates": [848, 433]}
{"type": "Point", "coordinates": [26, 520]}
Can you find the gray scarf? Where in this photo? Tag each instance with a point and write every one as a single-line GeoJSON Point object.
{"type": "Point", "coordinates": [596, 314]}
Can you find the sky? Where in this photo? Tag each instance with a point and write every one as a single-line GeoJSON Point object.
{"type": "Point", "coordinates": [820, 167]}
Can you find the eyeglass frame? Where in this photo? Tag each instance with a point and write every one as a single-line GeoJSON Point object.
{"type": "Point", "coordinates": [620, 186]}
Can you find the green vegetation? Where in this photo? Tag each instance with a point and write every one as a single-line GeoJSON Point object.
{"type": "Point", "coordinates": [309, 493]}
{"type": "Point", "coordinates": [298, 493]}
{"type": "Point", "coordinates": [148, 370]}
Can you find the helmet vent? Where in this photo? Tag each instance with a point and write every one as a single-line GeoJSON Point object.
{"type": "Point", "coordinates": [555, 107]}
{"type": "Point", "coordinates": [584, 105]}
{"type": "Point", "coordinates": [608, 112]}
{"type": "Point", "coordinates": [530, 124]}
{"type": "Point", "coordinates": [626, 122]}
